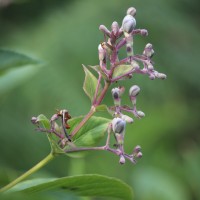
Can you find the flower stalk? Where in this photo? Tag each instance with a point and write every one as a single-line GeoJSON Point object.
{"type": "Point", "coordinates": [38, 166]}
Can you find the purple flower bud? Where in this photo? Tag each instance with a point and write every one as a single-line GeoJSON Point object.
{"type": "Point", "coordinates": [128, 23]}
{"type": "Point", "coordinates": [116, 94]}
{"type": "Point", "coordinates": [139, 155]}
{"type": "Point", "coordinates": [101, 52]}
{"type": "Point", "coordinates": [115, 28]}
{"type": "Point", "coordinates": [137, 149]}
{"type": "Point", "coordinates": [34, 120]}
{"type": "Point", "coordinates": [148, 50]}
{"type": "Point", "coordinates": [118, 125]}
{"type": "Point", "coordinates": [104, 30]}
{"type": "Point", "coordinates": [144, 32]}
{"type": "Point", "coordinates": [150, 67]}
{"type": "Point", "coordinates": [161, 76]}
{"type": "Point", "coordinates": [122, 160]}
{"type": "Point", "coordinates": [149, 46]}
{"type": "Point", "coordinates": [54, 117]}
{"type": "Point", "coordinates": [140, 114]}
{"type": "Point", "coordinates": [134, 91]}
{"type": "Point", "coordinates": [152, 76]}
{"type": "Point", "coordinates": [127, 118]}
{"type": "Point", "coordinates": [131, 11]}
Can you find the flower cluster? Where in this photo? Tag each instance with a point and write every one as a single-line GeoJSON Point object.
{"type": "Point", "coordinates": [109, 51]}
{"type": "Point", "coordinates": [110, 70]}
{"type": "Point", "coordinates": [118, 124]}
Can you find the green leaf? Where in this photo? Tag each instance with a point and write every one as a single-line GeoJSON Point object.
{"type": "Point", "coordinates": [90, 84]}
{"type": "Point", "coordinates": [91, 133]}
{"type": "Point", "coordinates": [44, 121]}
{"type": "Point", "coordinates": [90, 185]}
{"type": "Point", "coordinates": [10, 59]}
{"type": "Point", "coordinates": [122, 69]}
{"type": "Point", "coordinates": [53, 140]}
{"type": "Point", "coordinates": [15, 68]}
{"type": "Point", "coordinates": [97, 68]}
{"type": "Point", "coordinates": [101, 107]}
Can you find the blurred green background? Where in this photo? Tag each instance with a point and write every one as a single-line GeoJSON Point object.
{"type": "Point", "coordinates": [64, 34]}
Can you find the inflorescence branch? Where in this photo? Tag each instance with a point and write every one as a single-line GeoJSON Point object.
{"type": "Point", "coordinates": [111, 69]}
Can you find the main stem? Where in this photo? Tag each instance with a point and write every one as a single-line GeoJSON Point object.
{"type": "Point", "coordinates": [92, 110]}
{"type": "Point", "coordinates": [41, 164]}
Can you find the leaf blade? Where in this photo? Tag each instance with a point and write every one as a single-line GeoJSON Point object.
{"type": "Point", "coordinates": [10, 59]}
{"type": "Point", "coordinates": [90, 84]}
{"type": "Point", "coordinates": [121, 70]}
{"type": "Point", "coordinates": [83, 185]}
{"type": "Point", "coordinates": [91, 132]}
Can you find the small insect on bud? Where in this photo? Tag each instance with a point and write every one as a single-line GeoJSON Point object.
{"type": "Point", "coordinates": [127, 118]}
{"type": "Point", "coordinates": [134, 91]}
{"type": "Point", "coordinates": [128, 23]}
{"type": "Point", "coordinates": [131, 11]}
{"type": "Point", "coordinates": [118, 125]}
{"type": "Point", "coordinates": [122, 160]}
{"type": "Point", "coordinates": [140, 114]}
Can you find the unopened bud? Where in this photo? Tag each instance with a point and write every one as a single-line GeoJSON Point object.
{"type": "Point", "coordinates": [152, 76]}
{"type": "Point", "coordinates": [131, 11]}
{"type": "Point", "coordinates": [115, 28]}
{"type": "Point", "coordinates": [122, 160]}
{"type": "Point", "coordinates": [148, 50]}
{"type": "Point", "coordinates": [140, 114]}
{"type": "Point", "coordinates": [101, 52]}
{"type": "Point", "coordinates": [128, 23]}
{"type": "Point", "coordinates": [118, 125]}
{"type": "Point", "coordinates": [54, 117]}
{"type": "Point", "coordinates": [149, 46]}
{"type": "Point", "coordinates": [116, 94]}
{"type": "Point", "coordinates": [150, 67]}
{"type": "Point", "coordinates": [144, 32]}
{"type": "Point", "coordinates": [139, 155]}
{"type": "Point", "coordinates": [134, 64]}
{"type": "Point", "coordinates": [137, 149]}
{"type": "Point", "coordinates": [134, 91]}
{"type": "Point", "coordinates": [161, 76]}
{"type": "Point", "coordinates": [104, 30]}
{"type": "Point", "coordinates": [127, 118]}
{"type": "Point", "coordinates": [34, 120]}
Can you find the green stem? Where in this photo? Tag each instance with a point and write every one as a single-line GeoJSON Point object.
{"type": "Point", "coordinates": [29, 172]}
{"type": "Point", "coordinates": [92, 110]}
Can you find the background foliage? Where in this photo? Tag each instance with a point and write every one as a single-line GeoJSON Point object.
{"type": "Point", "coordinates": [65, 35]}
